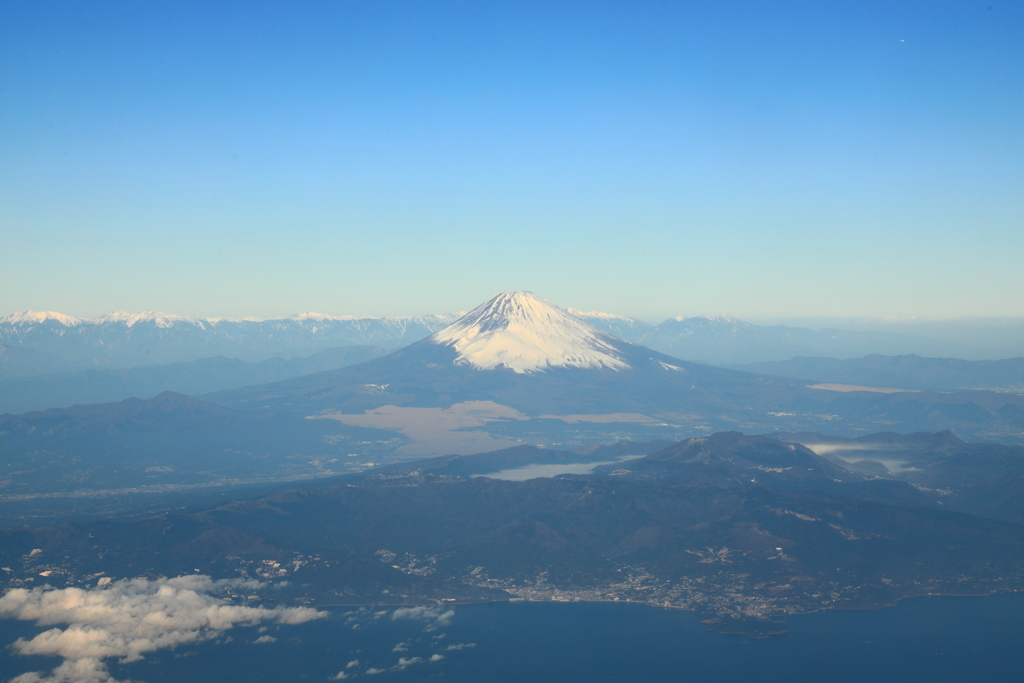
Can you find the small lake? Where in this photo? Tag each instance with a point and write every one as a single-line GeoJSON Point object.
{"type": "Point", "coordinates": [535, 471]}
{"type": "Point", "coordinates": [925, 639]}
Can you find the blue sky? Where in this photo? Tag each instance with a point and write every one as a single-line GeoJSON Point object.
{"type": "Point", "coordinates": [764, 159]}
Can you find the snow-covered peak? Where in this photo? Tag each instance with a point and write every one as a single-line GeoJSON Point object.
{"type": "Point", "coordinates": [724, 318]}
{"type": "Point", "coordinates": [443, 318]}
{"type": "Point", "coordinates": [310, 315]}
{"type": "Point", "coordinates": [28, 318]}
{"type": "Point", "coordinates": [598, 314]}
{"type": "Point", "coordinates": [249, 319]}
{"type": "Point", "coordinates": [130, 319]}
{"type": "Point", "coordinates": [525, 333]}
{"type": "Point", "coordinates": [37, 317]}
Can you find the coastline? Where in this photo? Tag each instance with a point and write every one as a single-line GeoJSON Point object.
{"type": "Point", "coordinates": [724, 624]}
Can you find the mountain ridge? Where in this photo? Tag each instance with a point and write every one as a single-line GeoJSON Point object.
{"type": "Point", "coordinates": [35, 344]}
{"type": "Point", "coordinates": [58, 342]}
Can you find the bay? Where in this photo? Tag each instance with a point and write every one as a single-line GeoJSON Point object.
{"type": "Point", "coordinates": [923, 639]}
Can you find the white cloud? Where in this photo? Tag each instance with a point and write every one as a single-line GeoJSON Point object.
{"type": "Point", "coordinates": [419, 612]}
{"type": "Point", "coordinates": [265, 639]}
{"type": "Point", "coordinates": [372, 671]}
{"type": "Point", "coordinates": [407, 661]}
{"type": "Point", "coordinates": [435, 658]}
{"type": "Point", "coordinates": [433, 615]}
{"type": "Point", "coordinates": [341, 674]}
{"type": "Point", "coordinates": [460, 646]}
{"type": "Point", "coordinates": [127, 619]}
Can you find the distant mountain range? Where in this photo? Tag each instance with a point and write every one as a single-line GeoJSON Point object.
{"type": "Point", "coordinates": [729, 340]}
{"type": "Point", "coordinates": [905, 372]}
{"type": "Point", "coordinates": [33, 343]}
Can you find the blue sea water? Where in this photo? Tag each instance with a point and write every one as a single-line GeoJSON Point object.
{"type": "Point", "coordinates": [923, 639]}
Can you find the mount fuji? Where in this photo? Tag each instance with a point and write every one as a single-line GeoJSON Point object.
{"type": "Point", "coordinates": [522, 332]}
{"type": "Point", "coordinates": [524, 352]}
{"type": "Point", "coordinates": [520, 368]}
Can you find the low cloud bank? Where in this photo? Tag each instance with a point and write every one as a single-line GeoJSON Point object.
{"type": "Point", "coordinates": [126, 619]}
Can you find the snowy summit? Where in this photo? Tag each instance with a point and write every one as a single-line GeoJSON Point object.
{"type": "Point", "coordinates": [525, 333]}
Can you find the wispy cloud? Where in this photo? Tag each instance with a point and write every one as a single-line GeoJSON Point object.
{"type": "Point", "coordinates": [407, 661]}
{"type": "Point", "coordinates": [127, 619]}
{"type": "Point", "coordinates": [434, 616]}
{"type": "Point", "coordinates": [342, 674]}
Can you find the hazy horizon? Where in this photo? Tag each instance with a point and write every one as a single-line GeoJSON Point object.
{"type": "Point", "coordinates": [856, 321]}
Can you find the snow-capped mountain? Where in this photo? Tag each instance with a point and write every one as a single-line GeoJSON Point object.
{"type": "Point", "coordinates": [525, 333]}
{"type": "Point", "coordinates": [25, 318]}
{"type": "Point", "coordinates": [41, 342]}
{"type": "Point", "coordinates": [55, 342]}
{"type": "Point", "coordinates": [521, 368]}
{"type": "Point", "coordinates": [517, 350]}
